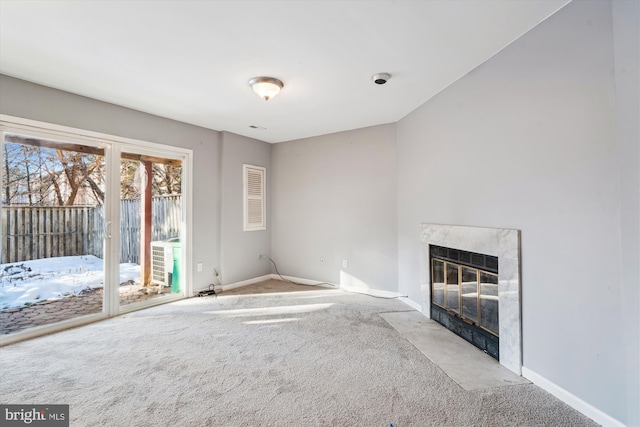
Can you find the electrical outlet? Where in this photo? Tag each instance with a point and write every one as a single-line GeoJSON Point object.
{"type": "Point", "coordinates": [345, 263]}
{"type": "Point", "coordinates": [199, 266]}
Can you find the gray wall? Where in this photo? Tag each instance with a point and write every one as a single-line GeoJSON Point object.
{"type": "Point", "coordinates": [626, 17]}
{"type": "Point", "coordinates": [334, 197]}
{"type": "Point", "coordinates": [27, 100]}
{"type": "Point", "coordinates": [241, 249]}
{"type": "Point", "coordinates": [528, 141]}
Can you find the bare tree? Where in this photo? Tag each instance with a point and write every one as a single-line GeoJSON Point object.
{"type": "Point", "coordinates": [167, 179]}
{"type": "Point", "coordinates": [14, 174]}
{"type": "Point", "coordinates": [27, 161]}
{"type": "Point", "coordinates": [37, 174]}
{"type": "Point", "coordinates": [129, 179]}
{"type": "Point", "coordinates": [5, 176]}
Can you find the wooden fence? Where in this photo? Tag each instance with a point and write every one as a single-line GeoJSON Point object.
{"type": "Point", "coordinates": [53, 231]}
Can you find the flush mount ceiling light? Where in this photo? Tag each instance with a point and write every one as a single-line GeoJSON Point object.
{"type": "Point", "coordinates": [266, 87]}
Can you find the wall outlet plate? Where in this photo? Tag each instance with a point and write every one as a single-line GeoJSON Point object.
{"type": "Point", "coordinates": [345, 263]}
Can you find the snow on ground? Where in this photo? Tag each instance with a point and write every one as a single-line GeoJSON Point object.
{"type": "Point", "coordinates": [28, 282]}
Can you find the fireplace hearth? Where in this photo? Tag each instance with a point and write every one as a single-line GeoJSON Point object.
{"type": "Point", "coordinates": [477, 283]}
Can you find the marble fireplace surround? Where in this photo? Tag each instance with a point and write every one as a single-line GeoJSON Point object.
{"type": "Point", "coordinates": [500, 242]}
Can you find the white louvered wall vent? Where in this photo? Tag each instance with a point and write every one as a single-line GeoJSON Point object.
{"type": "Point", "coordinates": [254, 198]}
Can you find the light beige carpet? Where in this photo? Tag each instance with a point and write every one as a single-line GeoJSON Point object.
{"type": "Point", "coordinates": [318, 358]}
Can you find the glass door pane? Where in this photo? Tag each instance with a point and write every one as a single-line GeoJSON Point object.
{"type": "Point", "coordinates": [470, 294]}
{"type": "Point", "coordinates": [489, 302]}
{"type": "Point", "coordinates": [453, 294]}
{"type": "Point", "coordinates": [437, 293]}
{"type": "Point", "coordinates": [52, 232]}
{"type": "Point", "coordinates": [150, 228]}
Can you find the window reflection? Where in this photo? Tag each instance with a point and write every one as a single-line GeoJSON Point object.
{"type": "Point", "coordinates": [469, 287]}
{"type": "Point", "coordinates": [489, 301]}
{"type": "Point", "coordinates": [438, 282]}
{"type": "Point", "coordinates": [452, 287]}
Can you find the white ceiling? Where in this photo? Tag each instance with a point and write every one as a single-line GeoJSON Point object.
{"type": "Point", "coordinates": [191, 60]}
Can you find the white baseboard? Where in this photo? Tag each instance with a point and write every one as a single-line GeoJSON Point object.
{"type": "Point", "coordinates": [303, 281]}
{"type": "Point", "coordinates": [354, 289]}
{"type": "Point", "coordinates": [411, 303]}
{"type": "Point", "coordinates": [246, 282]}
{"type": "Point", "coordinates": [372, 292]}
{"type": "Point", "coordinates": [570, 399]}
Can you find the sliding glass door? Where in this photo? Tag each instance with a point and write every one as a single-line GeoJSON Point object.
{"type": "Point", "coordinates": [151, 256]}
{"type": "Point", "coordinates": [90, 226]}
{"type": "Point", "coordinates": [52, 232]}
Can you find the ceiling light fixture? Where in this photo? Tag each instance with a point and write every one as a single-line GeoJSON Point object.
{"type": "Point", "coordinates": [266, 87]}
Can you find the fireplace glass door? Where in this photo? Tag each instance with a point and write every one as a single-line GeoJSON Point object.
{"type": "Point", "coordinates": [469, 293]}
{"type": "Point", "coordinates": [489, 301]}
{"type": "Point", "coordinates": [464, 296]}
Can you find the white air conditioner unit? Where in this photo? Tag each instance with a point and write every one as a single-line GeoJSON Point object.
{"type": "Point", "coordinates": [162, 259]}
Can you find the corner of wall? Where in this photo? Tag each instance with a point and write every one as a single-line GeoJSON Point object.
{"type": "Point", "coordinates": [240, 249]}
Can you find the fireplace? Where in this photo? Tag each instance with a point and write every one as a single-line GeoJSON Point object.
{"type": "Point", "coordinates": [459, 258]}
{"type": "Point", "coordinates": [464, 296]}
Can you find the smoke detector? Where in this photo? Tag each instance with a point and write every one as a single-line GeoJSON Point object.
{"type": "Point", "coordinates": [380, 78]}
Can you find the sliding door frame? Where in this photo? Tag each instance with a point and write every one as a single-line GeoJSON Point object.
{"type": "Point", "coordinates": [155, 150]}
